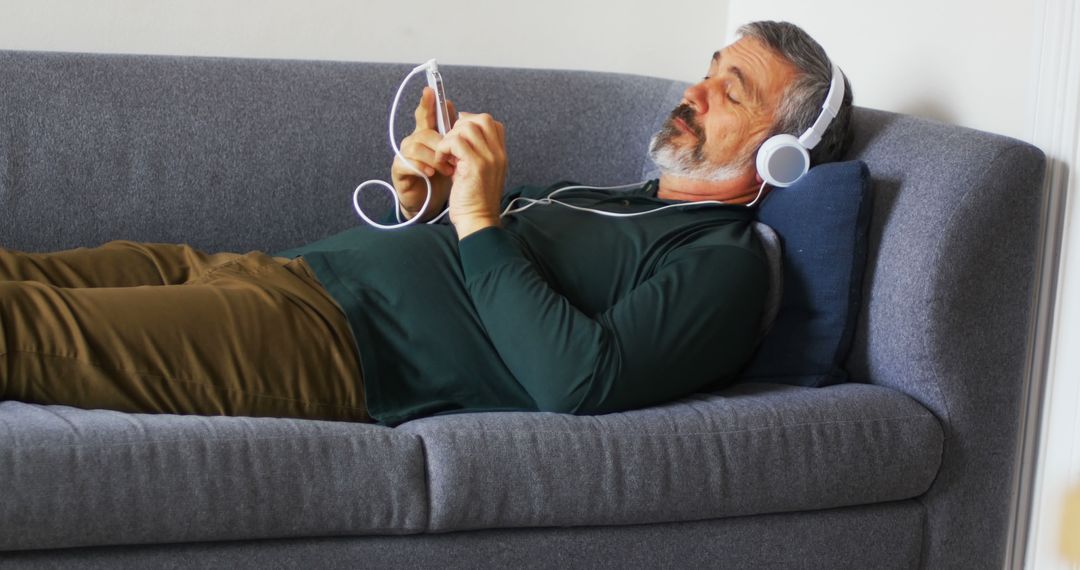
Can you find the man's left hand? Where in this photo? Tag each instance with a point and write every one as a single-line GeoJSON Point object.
{"type": "Point", "coordinates": [477, 148]}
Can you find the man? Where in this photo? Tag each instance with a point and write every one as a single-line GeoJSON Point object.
{"type": "Point", "coordinates": [551, 308]}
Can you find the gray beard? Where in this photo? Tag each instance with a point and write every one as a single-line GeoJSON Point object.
{"type": "Point", "coordinates": [687, 162]}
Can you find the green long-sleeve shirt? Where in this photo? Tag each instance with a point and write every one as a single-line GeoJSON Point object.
{"type": "Point", "coordinates": [556, 310]}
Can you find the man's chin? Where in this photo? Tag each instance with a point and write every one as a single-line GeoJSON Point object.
{"type": "Point", "coordinates": [673, 163]}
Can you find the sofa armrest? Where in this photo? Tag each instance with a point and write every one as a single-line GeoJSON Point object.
{"type": "Point", "coordinates": [948, 301]}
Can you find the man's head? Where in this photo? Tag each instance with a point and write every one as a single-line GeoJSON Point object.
{"type": "Point", "coordinates": [773, 80]}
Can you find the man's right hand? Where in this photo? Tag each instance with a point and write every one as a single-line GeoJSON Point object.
{"type": "Point", "coordinates": [419, 148]}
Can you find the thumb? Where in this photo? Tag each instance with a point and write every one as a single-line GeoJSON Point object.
{"type": "Point", "coordinates": [425, 111]}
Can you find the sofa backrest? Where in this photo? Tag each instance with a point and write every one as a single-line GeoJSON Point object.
{"type": "Point", "coordinates": [241, 154]}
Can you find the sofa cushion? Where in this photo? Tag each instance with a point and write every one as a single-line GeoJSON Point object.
{"type": "Point", "coordinates": [822, 220]}
{"type": "Point", "coordinates": [774, 256]}
{"type": "Point", "coordinates": [75, 477]}
{"type": "Point", "coordinates": [750, 449]}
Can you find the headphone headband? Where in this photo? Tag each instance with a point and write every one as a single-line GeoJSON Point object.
{"type": "Point", "coordinates": [829, 110]}
{"type": "Point", "coordinates": [783, 159]}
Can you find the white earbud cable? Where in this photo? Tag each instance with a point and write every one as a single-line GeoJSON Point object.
{"type": "Point", "coordinates": [393, 193]}
{"type": "Point", "coordinates": [549, 200]}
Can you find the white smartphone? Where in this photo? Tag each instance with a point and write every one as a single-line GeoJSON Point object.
{"type": "Point", "coordinates": [442, 113]}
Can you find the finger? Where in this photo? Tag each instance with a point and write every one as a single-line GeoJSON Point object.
{"type": "Point", "coordinates": [400, 169]}
{"type": "Point", "coordinates": [427, 137]}
{"type": "Point", "coordinates": [453, 112]}
{"type": "Point", "coordinates": [481, 138]}
{"type": "Point", "coordinates": [423, 155]}
{"type": "Point", "coordinates": [418, 146]}
{"type": "Point", "coordinates": [458, 150]}
{"type": "Point", "coordinates": [495, 133]}
{"type": "Point", "coordinates": [483, 132]}
{"type": "Point", "coordinates": [421, 144]}
{"type": "Point", "coordinates": [425, 111]}
{"type": "Point", "coordinates": [500, 130]}
{"type": "Point", "coordinates": [466, 144]}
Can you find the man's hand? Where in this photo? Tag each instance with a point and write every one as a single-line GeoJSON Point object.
{"type": "Point", "coordinates": [476, 147]}
{"type": "Point", "coordinates": [419, 148]}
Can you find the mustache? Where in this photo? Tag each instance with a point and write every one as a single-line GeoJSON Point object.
{"type": "Point", "coordinates": [686, 114]}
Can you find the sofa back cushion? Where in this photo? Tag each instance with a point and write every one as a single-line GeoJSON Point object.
{"type": "Point", "coordinates": [231, 154]}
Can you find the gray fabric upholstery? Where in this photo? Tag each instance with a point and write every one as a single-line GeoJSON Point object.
{"type": "Point", "coordinates": [234, 155]}
{"type": "Point", "coordinates": [947, 305]}
{"type": "Point", "coordinates": [235, 478]}
{"type": "Point", "coordinates": [239, 154]}
{"type": "Point", "coordinates": [711, 456]}
{"type": "Point", "coordinates": [76, 477]}
{"type": "Point", "coordinates": [882, 537]}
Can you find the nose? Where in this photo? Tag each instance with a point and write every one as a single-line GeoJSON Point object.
{"type": "Point", "coordinates": [696, 97]}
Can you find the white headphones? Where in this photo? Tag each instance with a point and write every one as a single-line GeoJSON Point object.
{"type": "Point", "coordinates": [783, 159]}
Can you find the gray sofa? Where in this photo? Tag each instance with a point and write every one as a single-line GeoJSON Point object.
{"type": "Point", "coordinates": [908, 466]}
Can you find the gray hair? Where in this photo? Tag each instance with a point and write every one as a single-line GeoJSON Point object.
{"type": "Point", "coordinates": [802, 100]}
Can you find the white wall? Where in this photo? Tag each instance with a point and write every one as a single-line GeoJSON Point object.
{"type": "Point", "coordinates": [570, 34]}
{"type": "Point", "coordinates": [966, 62]}
{"type": "Point", "coordinates": [1056, 129]}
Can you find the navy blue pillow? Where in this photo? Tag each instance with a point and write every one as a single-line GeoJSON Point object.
{"type": "Point", "coordinates": [823, 221]}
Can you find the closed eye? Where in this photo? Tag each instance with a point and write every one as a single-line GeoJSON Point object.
{"type": "Point", "coordinates": [728, 94]}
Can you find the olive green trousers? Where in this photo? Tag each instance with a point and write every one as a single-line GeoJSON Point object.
{"type": "Point", "coordinates": [165, 328]}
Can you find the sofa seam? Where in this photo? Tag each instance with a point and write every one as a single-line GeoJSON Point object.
{"type": "Point", "coordinates": [194, 440]}
{"type": "Point", "coordinates": [427, 483]}
{"type": "Point", "coordinates": [763, 428]}
{"type": "Point", "coordinates": [924, 546]}
{"type": "Point", "coordinates": [367, 531]}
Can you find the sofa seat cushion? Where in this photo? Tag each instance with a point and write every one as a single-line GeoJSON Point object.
{"type": "Point", "coordinates": [750, 449]}
{"type": "Point", "coordinates": [74, 477]}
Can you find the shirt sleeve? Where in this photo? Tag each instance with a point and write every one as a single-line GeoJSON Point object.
{"type": "Point", "coordinates": [688, 325]}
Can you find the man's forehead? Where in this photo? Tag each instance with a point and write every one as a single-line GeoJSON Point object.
{"type": "Point", "coordinates": [746, 48]}
{"type": "Point", "coordinates": [755, 62]}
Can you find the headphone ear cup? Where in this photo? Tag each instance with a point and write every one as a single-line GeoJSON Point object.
{"type": "Point", "coordinates": [782, 160]}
